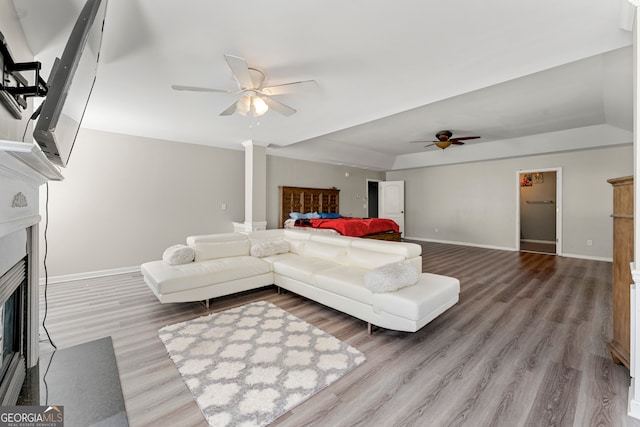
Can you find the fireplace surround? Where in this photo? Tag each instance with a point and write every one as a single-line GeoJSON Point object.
{"type": "Point", "coordinates": [13, 294]}
{"type": "Point", "coordinates": [23, 169]}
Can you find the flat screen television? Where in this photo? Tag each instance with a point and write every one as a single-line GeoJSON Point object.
{"type": "Point", "coordinates": [70, 84]}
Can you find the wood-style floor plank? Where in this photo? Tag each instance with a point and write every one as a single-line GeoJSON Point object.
{"type": "Point", "coordinates": [526, 345]}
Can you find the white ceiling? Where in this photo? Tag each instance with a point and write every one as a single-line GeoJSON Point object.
{"type": "Point", "coordinates": [529, 77]}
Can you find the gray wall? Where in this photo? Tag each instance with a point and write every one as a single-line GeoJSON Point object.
{"type": "Point", "coordinates": [475, 203]}
{"type": "Point", "coordinates": [125, 199]}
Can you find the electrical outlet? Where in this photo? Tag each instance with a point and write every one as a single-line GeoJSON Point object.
{"type": "Point", "coordinates": [437, 229]}
{"type": "Point", "coordinates": [224, 207]}
{"type": "Point", "coordinates": [589, 242]}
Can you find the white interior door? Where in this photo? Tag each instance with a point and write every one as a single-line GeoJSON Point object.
{"type": "Point", "coordinates": [391, 201]}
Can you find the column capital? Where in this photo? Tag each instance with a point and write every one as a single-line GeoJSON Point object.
{"type": "Point", "coordinates": [252, 143]}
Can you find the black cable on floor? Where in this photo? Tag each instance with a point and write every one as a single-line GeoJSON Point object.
{"type": "Point", "coordinates": [44, 261]}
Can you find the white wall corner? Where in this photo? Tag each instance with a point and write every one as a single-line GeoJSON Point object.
{"type": "Point", "coordinates": [627, 12]}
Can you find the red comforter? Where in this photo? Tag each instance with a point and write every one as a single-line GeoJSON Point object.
{"type": "Point", "coordinates": [354, 227]}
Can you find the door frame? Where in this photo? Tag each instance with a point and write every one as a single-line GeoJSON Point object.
{"type": "Point", "coordinates": [558, 171]}
{"type": "Point", "coordinates": [367, 190]}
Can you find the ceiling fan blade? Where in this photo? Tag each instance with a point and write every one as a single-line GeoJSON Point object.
{"type": "Point", "coordinates": [421, 142]}
{"type": "Point", "coordinates": [240, 71]}
{"type": "Point", "coordinates": [453, 141]}
{"type": "Point", "coordinates": [229, 111]}
{"type": "Point", "coordinates": [463, 138]}
{"type": "Point", "coordinates": [289, 87]}
{"type": "Point", "coordinates": [285, 110]}
{"type": "Point", "coordinates": [430, 145]}
{"type": "Point", "coordinates": [200, 89]}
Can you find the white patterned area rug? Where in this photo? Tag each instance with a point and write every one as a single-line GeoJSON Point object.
{"type": "Point", "coordinates": [248, 365]}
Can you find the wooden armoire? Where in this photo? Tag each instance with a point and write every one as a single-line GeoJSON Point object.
{"type": "Point", "coordinates": [622, 257]}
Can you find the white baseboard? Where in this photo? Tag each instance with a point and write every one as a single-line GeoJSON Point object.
{"type": "Point", "coordinates": [475, 245]}
{"type": "Point", "coordinates": [90, 275]}
{"type": "Point", "coordinates": [505, 248]}
{"type": "Point", "coordinates": [593, 258]}
{"type": "Point", "coordinates": [552, 242]}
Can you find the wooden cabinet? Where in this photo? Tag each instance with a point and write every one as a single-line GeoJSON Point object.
{"type": "Point", "coordinates": [622, 257]}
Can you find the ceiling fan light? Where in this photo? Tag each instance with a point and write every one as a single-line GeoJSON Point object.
{"type": "Point", "coordinates": [443, 144]}
{"type": "Point", "coordinates": [243, 105]}
{"type": "Point", "coordinates": [259, 107]}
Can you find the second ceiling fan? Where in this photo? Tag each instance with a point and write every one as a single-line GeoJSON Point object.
{"type": "Point", "coordinates": [256, 99]}
{"type": "Point", "coordinates": [445, 140]}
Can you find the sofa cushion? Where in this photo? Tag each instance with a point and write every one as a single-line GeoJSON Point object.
{"type": "Point", "coordinates": [390, 277]}
{"type": "Point", "coordinates": [428, 296]}
{"type": "Point", "coordinates": [331, 253]}
{"type": "Point", "coordinates": [215, 238]}
{"type": "Point", "coordinates": [299, 268]}
{"type": "Point", "coordinates": [406, 249]}
{"type": "Point", "coordinates": [368, 260]}
{"type": "Point", "coordinates": [178, 254]}
{"type": "Point", "coordinates": [266, 235]}
{"type": "Point", "coordinates": [345, 281]}
{"type": "Point", "coordinates": [219, 245]}
{"type": "Point", "coordinates": [266, 249]}
{"type": "Point", "coordinates": [173, 278]}
{"type": "Point", "coordinates": [297, 240]}
{"type": "Point", "coordinates": [332, 239]}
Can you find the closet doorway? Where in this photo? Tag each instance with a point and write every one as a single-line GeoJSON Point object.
{"type": "Point", "coordinates": [539, 207]}
{"type": "Point", "coordinates": [372, 198]}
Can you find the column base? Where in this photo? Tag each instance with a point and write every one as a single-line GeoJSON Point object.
{"type": "Point", "coordinates": [633, 410]}
{"type": "Point", "coordinates": [248, 226]}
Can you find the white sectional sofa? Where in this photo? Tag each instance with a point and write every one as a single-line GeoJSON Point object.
{"type": "Point", "coordinates": [335, 271]}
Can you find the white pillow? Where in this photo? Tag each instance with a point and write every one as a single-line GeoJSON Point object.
{"type": "Point", "coordinates": [178, 254]}
{"type": "Point", "coordinates": [264, 249]}
{"type": "Point", "coordinates": [391, 277]}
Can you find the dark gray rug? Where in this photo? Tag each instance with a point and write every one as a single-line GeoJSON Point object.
{"type": "Point", "coordinates": [85, 380]}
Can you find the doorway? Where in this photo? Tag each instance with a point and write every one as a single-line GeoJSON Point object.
{"type": "Point", "coordinates": [372, 199]}
{"type": "Point", "coordinates": [539, 205]}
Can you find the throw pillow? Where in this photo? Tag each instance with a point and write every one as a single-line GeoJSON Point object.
{"type": "Point", "coordinates": [391, 277]}
{"type": "Point", "coordinates": [264, 249]}
{"type": "Point", "coordinates": [178, 254]}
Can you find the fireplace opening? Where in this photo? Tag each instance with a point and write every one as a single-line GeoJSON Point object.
{"type": "Point", "coordinates": [12, 332]}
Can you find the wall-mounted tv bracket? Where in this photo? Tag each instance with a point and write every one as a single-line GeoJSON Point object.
{"type": "Point", "coordinates": [14, 88]}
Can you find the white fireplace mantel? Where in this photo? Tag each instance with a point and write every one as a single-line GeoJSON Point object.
{"type": "Point", "coordinates": [23, 169]}
{"type": "Point", "coordinates": [25, 160]}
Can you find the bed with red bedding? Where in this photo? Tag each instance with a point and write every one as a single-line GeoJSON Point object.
{"type": "Point", "coordinates": [326, 200]}
{"type": "Point", "coordinates": [354, 227]}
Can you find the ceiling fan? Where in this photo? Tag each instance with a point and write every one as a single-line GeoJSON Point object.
{"type": "Point", "coordinates": [256, 99]}
{"type": "Point", "coordinates": [445, 140]}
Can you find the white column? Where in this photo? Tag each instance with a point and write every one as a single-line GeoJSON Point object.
{"type": "Point", "coordinates": [255, 188]}
{"type": "Point", "coordinates": [634, 389]}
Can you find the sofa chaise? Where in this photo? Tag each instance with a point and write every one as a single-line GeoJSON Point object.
{"type": "Point", "coordinates": [379, 282]}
